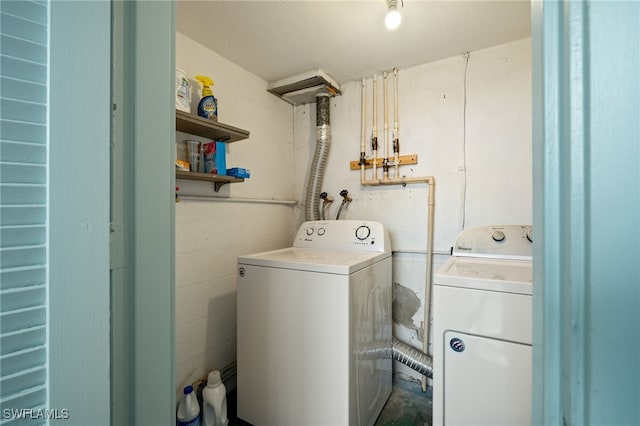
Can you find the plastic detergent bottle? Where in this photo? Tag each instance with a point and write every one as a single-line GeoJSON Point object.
{"type": "Point", "coordinates": [208, 106]}
{"type": "Point", "coordinates": [214, 401]}
{"type": "Point", "coordinates": [183, 91]}
{"type": "Point", "coordinates": [188, 410]}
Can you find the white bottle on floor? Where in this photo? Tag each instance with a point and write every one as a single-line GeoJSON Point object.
{"type": "Point", "coordinates": [188, 410]}
{"type": "Point", "coordinates": [214, 401]}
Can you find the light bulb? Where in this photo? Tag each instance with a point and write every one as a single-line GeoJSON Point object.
{"type": "Point", "coordinates": [393, 19]}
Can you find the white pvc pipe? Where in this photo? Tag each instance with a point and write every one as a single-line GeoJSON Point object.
{"type": "Point", "coordinates": [385, 174]}
{"type": "Point", "coordinates": [396, 128]}
{"type": "Point", "coordinates": [236, 200]}
{"type": "Point", "coordinates": [375, 127]}
{"type": "Point", "coordinates": [397, 180]}
{"type": "Point", "coordinates": [431, 182]}
{"type": "Point", "coordinates": [427, 286]}
{"type": "Point", "coordinates": [363, 131]}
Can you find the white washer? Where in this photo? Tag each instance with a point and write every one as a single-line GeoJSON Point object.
{"type": "Point", "coordinates": [314, 327]}
{"type": "Point", "coordinates": [482, 329]}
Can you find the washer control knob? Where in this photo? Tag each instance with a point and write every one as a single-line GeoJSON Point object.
{"type": "Point", "coordinates": [498, 236]}
{"type": "Point", "coordinates": [363, 232]}
{"type": "Point", "coordinates": [309, 231]}
{"type": "Point", "coordinates": [530, 235]}
{"type": "Point", "coordinates": [321, 231]}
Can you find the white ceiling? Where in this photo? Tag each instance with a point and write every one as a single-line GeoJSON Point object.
{"type": "Point", "coordinates": [347, 39]}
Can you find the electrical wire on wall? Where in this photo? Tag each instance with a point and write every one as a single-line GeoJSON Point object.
{"type": "Point", "coordinates": [463, 207]}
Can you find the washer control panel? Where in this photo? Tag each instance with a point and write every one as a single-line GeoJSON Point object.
{"type": "Point", "coordinates": [343, 234]}
{"type": "Point", "coordinates": [499, 241]}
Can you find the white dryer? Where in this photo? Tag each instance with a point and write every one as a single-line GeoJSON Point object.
{"type": "Point", "coordinates": [314, 327]}
{"type": "Point", "coordinates": [482, 329]}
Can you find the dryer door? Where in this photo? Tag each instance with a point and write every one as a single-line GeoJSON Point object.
{"type": "Point", "coordinates": [486, 381]}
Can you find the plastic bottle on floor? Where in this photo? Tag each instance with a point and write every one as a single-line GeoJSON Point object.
{"type": "Point", "coordinates": [188, 410]}
{"type": "Point", "coordinates": [214, 401]}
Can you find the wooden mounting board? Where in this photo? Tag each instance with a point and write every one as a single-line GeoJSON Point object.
{"type": "Point", "coordinates": [404, 160]}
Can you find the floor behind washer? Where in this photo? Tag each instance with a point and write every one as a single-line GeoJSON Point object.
{"type": "Point", "coordinates": [407, 405]}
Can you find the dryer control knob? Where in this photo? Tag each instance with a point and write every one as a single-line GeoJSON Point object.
{"type": "Point", "coordinates": [309, 231]}
{"type": "Point", "coordinates": [530, 235]}
{"type": "Point", "coordinates": [363, 232]}
{"type": "Point", "coordinates": [498, 236]}
{"type": "Point", "coordinates": [321, 231]}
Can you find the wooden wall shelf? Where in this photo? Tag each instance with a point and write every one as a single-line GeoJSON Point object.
{"type": "Point", "coordinates": [210, 129]}
{"type": "Point", "coordinates": [218, 180]}
{"type": "Point", "coordinates": [214, 130]}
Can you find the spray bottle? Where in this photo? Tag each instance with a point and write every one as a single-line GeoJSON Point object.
{"type": "Point", "coordinates": [208, 106]}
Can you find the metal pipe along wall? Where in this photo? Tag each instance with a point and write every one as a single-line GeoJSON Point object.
{"type": "Point", "coordinates": [318, 166]}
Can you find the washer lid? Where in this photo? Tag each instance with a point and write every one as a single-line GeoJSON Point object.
{"type": "Point", "coordinates": [329, 261]}
{"type": "Point", "coordinates": [506, 276]}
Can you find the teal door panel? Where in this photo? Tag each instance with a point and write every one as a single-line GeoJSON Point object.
{"type": "Point", "coordinates": [586, 208]}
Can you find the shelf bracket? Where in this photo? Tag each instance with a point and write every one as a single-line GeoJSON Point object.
{"type": "Point", "coordinates": [218, 185]}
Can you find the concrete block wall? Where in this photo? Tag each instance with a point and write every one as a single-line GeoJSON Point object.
{"type": "Point", "coordinates": [211, 234]}
{"type": "Point", "coordinates": [493, 134]}
{"type": "Point", "coordinates": [478, 149]}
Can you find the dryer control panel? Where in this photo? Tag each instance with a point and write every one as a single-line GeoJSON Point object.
{"type": "Point", "coordinates": [498, 241]}
{"type": "Point", "coordinates": [343, 235]}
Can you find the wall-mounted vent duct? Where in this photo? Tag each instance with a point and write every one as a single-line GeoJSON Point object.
{"type": "Point", "coordinates": [303, 88]}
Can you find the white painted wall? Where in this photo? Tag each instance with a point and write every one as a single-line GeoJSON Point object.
{"type": "Point", "coordinates": [498, 145]}
{"type": "Point", "coordinates": [497, 135]}
{"type": "Point", "coordinates": [211, 234]}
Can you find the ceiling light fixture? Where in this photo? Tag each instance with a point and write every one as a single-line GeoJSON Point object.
{"type": "Point", "coordinates": [393, 18]}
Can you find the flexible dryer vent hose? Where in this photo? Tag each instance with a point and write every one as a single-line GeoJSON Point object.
{"type": "Point", "coordinates": [412, 358]}
{"type": "Point", "coordinates": [318, 166]}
